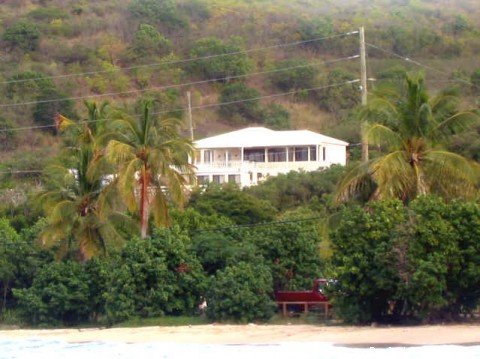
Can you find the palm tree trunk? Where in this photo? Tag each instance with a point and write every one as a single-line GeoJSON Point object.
{"type": "Point", "coordinates": [421, 188]}
{"type": "Point", "coordinates": [144, 202]}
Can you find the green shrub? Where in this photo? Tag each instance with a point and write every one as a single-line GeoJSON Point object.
{"type": "Point", "coordinates": [59, 295]}
{"type": "Point", "coordinates": [300, 76]}
{"type": "Point", "coordinates": [248, 111]}
{"type": "Point", "coordinates": [148, 41]}
{"type": "Point", "coordinates": [154, 277]}
{"type": "Point", "coordinates": [395, 263]}
{"type": "Point", "coordinates": [22, 35]}
{"type": "Point", "coordinates": [221, 66]}
{"type": "Point", "coordinates": [241, 292]}
{"type": "Point", "coordinates": [231, 202]}
{"type": "Point", "coordinates": [163, 12]}
{"type": "Point", "coordinates": [276, 117]}
{"type": "Point", "coordinates": [46, 110]}
{"type": "Point", "coordinates": [47, 14]}
{"type": "Point", "coordinates": [291, 250]}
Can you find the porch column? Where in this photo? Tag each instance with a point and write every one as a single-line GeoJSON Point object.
{"type": "Point", "coordinates": [266, 154]}
{"type": "Point", "coordinates": [286, 154]}
{"type": "Point", "coordinates": [226, 158]}
{"type": "Point", "coordinates": [241, 155]}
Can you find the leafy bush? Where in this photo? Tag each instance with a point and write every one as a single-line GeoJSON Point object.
{"type": "Point", "coordinates": [149, 42]}
{"type": "Point", "coordinates": [364, 260]}
{"type": "Point", "coordinates": [294, 189]}
{"type": "Point", "coordinates": [291, 250]}
{"type": "Point", "coordinates": [229, 201]}
{"type": "Point", "coordinates": [300, 76]}
{"type": "Point", "coordinates": [241, 292]}
{"type": "Point", "coordinates": [155, 277]}
{"type": "Point", "coordinates": [248, 111]}
{"type": "Point", "coordinates": [276, 117]}
{"type": "Point", "coordinates": [395, 263]}
{"type": "Point", "coordinates": [22, 35]}
{"type": "Point", "coordinates": [158, 12]}
{"type": "Point", "coordinates": [47, 14]}
{"type": "Point", "coordinates": [7, 135]}
{"type": "Point", "coordinates": [59, 294]}
{"type": "Point", "coordinates": [221, 66]}
{"type": "Point", "coordinates": [46, 109]}
{"type": "Point", "coordinates": [316, 29]}
{"type": "Point", "coordinates": [342, 97]}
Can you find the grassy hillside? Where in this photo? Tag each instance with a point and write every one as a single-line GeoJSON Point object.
{"type": "Point", "coordinates": [77, 50]}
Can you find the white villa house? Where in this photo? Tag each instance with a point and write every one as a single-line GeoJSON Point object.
{"type": "Point", "coordinates": [250, 155]}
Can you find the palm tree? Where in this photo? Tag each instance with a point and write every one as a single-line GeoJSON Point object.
{"type": "Point", "coordinates": [79, 207]}
{"type": "Point", "coordinates": [78, 200]}
{"type": "Point", "coordinates": [410, 129]}
{"type": "Point", "coordinates": [151, 159]}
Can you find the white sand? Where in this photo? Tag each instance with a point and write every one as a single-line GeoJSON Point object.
{"type": "Point", "coordinates": [256, 334]}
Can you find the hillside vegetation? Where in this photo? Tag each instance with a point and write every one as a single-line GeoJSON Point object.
{"type": "Point", "coordinates": [123, 51]}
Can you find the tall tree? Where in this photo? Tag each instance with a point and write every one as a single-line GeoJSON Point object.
{"type": "Point", "coordinates": [152, 162]}
{"type": "Point", "coordinates": [78, 198]}
{"type": "Point", "coordinates": [409, 127]}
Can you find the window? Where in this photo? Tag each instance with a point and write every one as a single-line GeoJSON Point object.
{"type": "Point", "coordinates": [301, 154]}
{"type": "Point", "coordinates": [234, 179]}
{"type": "Point", "coordinates": [202, 180]}
{"type": "Point", "coordinates": [277, 155]}
{"type": "Point", "coordinates": [219, 179]}
{"type": "Point", "coordinates": [313, 153]}
{"type": "Point", "coordinates": [254, 154]}
{"type": "Point", "coordinates": [324, 153]}
{"type": "Point", "coordinates": [207, 156]}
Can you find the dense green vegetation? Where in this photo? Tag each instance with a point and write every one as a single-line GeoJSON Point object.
{"type": "Point", "coordinates": [96, 239]}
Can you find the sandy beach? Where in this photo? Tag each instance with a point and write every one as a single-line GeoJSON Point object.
{"type": "Point", "coordinates": [263, 334]}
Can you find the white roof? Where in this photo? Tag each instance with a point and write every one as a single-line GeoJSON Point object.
{"type": "Point", "coordinates": [263, 137]}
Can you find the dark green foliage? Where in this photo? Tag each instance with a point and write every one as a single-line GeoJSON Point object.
{"type": "Point", "coordinates": [316, 29]}
{"type": "Point", "coordinates": [20, 260]}
{"type": "Point", "coordinates": [155, 277]}
{"type": "Point", "coordinates": [147, 42]}
{"type": "Point", "coordinates": [364, 261]}
{"type": "Point", "coordinates": [395, 263]}
{"type": "Point", "coordinates": [276, 117]}
{"type": "Point", "coordinates": [47, 14]}
{"type": "Point", "coordinates": [475, 79]}
{"type": "Point", "coordinates": [301, 75]}
{"type": "Point", "coordinates": [241, 292]}
{"type": "Point", "coordinates": [291, 250]}
{"type": "Point", "coordinates": [294, 189]}
{"type": "Point", "coordinates": [338, 98]}
{"type": "Point", "coordinates": [196, 10]}
{"type": "Point", "coordinates": [240, 112]}
{"type": "Point", "coordinates": [7, 135]}
{"type": "Point", "coordinates": [46, 110]}
{"type": "Point", "coordinates": [222, 66]}
{"type": "Point", "coordinates": [162, 12]}
{"type": "Point", "coordinates": [231, 202]}
{"type": "Point", "coordinates": [22, 35]}
{"type": "Point", "coordinates": [27, 85]}
{"type": "Point", "coordinates": [59, 294]}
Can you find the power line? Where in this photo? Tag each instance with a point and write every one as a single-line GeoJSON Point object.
{"type": "Point", "coordinates": [192, 59]}
{"type": "Point", "coordinates": [415, 62]}
{"type": "Point", "coordinates": [178, 85]}
{"type": "Point", "coordinates": [201, 106]}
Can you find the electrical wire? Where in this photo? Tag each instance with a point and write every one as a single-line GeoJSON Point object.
{"type": "Point", "coordinates": [192, 59]}
{"type": "Point", "coordinates": [415, 62]}
{"type": "Point", "coordinates": [178, 85]}
{"type": "Point", "coordinates": [200, 106]}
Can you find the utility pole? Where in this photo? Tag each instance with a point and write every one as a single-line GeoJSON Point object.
{"type": "Point", "coordinates": [190, 119]}
{"type": "Point", "coordinates": [363, 83]}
